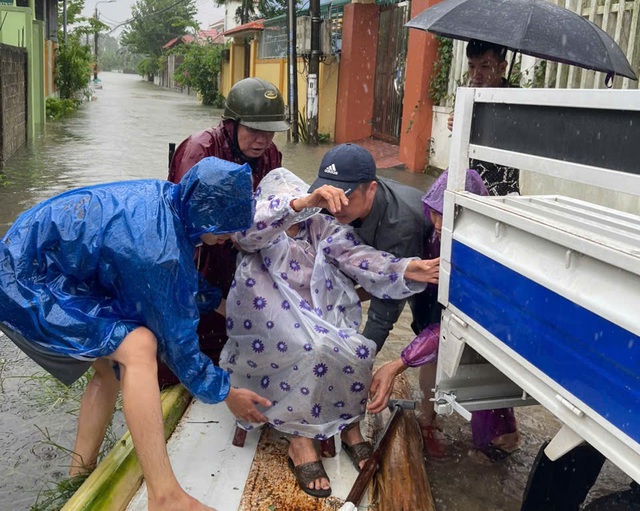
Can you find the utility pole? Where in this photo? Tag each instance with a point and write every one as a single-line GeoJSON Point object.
{"type": "Point", "coordinates": [244, 18]}
{"type": "Point", "coordinates": [95, 48]}
{"type": "Point", "coordinates": [292, 67]}
{"type": "Point", "coordinates": [95, 37]}
{"type": "Point", "coordinates": [64, 21]}
{"type": "Point", "coordinates": [314, 68]}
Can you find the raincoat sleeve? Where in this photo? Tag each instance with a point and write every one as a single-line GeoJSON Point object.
{"type": "Point", "coordinates": [380, 273]}
{"type": "Point", "coordinates": [274, 215]}
{"type": "Point", "coordinates": [172, 315]}
{"type": "Point", "coordinates": [424, 347]}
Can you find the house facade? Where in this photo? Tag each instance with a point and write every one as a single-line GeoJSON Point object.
{"type": "Point", "coordinates": [28, 36]}
{"type": "Point", "coordinates": [365, 85]}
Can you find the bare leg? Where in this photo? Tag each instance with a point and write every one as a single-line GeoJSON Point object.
{"type": "Point", "coordinates": [302, 450]}
{"type": "Point", "coordinates": [431, 438]}
{"type": "Point", "coordinates": [427, 379]}
{"type": "Point", "coordinates": [143, 413]}
{"type": "Point", "coordinates": [96, 409]}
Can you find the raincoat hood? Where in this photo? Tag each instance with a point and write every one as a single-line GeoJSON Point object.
{"type": "Point", "coordinates": [215, 196]}
{"type": "Point", "coordinates": [434, 198]}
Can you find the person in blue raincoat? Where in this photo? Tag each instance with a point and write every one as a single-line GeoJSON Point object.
{"type": "Point", "coordinates": [104, 276]}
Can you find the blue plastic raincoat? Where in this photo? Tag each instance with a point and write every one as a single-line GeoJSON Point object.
{"type": "Point", "coordinates": [80, 271]}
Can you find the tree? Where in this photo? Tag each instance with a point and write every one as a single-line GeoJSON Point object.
{"type": "Point", "coordinates": [200, 69]}
{"type": "Point", "coordinates": [156, 22]}
{"type": "Point", "coordinates": [73, 58]}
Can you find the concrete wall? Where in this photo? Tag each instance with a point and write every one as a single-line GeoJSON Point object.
{"type": "Point", "coordinates": [357, 72]}
{"type": "Point", "coordinates": [13, 100]}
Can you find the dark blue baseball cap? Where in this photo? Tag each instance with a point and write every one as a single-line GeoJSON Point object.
{"type": "Point", "coordinates": [345, 166]}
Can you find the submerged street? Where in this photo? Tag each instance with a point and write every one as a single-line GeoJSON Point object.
{"type": "Point", "coordinates": [123, 135]}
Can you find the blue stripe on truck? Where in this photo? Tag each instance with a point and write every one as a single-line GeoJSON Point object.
{"type": "Point", "coordinates": [594, 359]}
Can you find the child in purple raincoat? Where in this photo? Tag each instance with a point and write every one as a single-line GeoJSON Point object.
{"type": "Point", "coordinates": [495, 434]}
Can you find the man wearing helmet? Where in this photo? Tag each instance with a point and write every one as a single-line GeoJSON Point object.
{"type": "Point", "coordinates": [254, 111]}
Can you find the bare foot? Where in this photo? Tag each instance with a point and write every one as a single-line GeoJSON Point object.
{"type": "Point", "coordinates": [509, 442]}
{"type": "Point", "coordinates": [302, 450]}
{"type": "Point", "coordinates": [180, 502]}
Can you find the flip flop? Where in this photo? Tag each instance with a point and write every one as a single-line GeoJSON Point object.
{"type": "Point", "coordinates": [494, 454]}
{"type": "Point", "coordinates": [358, 452]}
{"type": "Point", "coordinates": [307, 473]}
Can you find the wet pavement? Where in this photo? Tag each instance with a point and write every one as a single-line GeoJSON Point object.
{"type": "Point", "coordinates": [124, 134]}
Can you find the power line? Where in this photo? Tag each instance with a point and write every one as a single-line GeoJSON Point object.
{"type": "Point", "coordinates": [161, 11]}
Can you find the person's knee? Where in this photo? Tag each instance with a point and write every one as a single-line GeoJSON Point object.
{"type": "Point", "coordinates": [103, 373]}
{"type": "Point", "coordinates": [139, 347]}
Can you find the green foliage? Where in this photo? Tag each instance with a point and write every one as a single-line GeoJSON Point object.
{"type": "Point", "coordinates": [113, 57]}
{"type": "Point", "coordinates": [58, 108]}
{"type": "Point", "coordinates": [324, 138]}
{"type": "Point", "coordinates": [520, 79]}
{"type": "Point", "coordinates": [156, 22]}
{"type": "Point", "coordinates": [148, 66]}
{"type": "Point", "coordinates": [200, 70]}
{"type": "Point", "coordinates": [74, 13]}
{"type": "Point", "coordinates": [439, 81]}
{"type": "Point", "coordinates": [302, 126]}
{"type": "Point", "coordinates": [73, 68]}
{"type": "Point", "coordinates": [57, 494]}
{"type": "Point", "coordinates": [261, 9]}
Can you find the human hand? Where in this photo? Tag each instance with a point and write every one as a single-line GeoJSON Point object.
{"type": "Point", "coordinates": [382, 385]}
{"type": "Point", "coordinates": [423, 270]}
{"type": "Point", "coordinates": [450, 122]}
{"type": "Point", "coordinates": [327, 197]}
{"type": "Point", "coordinates": [242, 404]}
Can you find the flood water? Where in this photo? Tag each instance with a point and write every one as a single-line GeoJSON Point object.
{"type": "Point", "coordinates": [124, 134]}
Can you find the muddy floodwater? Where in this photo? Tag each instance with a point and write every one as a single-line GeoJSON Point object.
{"type": "Point", "coordinates": [124, 134]}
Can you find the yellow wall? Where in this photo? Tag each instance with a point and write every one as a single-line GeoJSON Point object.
{"type": "Point", "coordinates": [275, 71]}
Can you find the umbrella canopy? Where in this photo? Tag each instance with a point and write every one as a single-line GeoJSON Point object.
{"type": "Point", "coordinates": [535, 27]}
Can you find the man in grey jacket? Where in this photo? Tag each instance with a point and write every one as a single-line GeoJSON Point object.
{"type": "Point", "coordinates": [388, 216]}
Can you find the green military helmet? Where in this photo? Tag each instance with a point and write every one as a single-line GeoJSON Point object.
{"type": "Point", "coordinates": [257, 104]}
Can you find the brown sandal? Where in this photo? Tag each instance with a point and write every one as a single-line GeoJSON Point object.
{"type": "Point", "coordinates": [358, 452]}
{"type": "Point", "coordinates": [308, 472]}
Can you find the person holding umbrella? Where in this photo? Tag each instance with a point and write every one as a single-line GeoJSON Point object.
{"type": "Point", "coordinates": [487, 64]}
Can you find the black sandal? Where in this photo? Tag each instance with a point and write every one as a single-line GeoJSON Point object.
{"type": "Point", "coordinates": [308, 472]}
{"type": "Point", "coordinates": [358, 452]}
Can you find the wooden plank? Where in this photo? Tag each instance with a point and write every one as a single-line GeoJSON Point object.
{"type": "Point", "coordinates": [402, 483]}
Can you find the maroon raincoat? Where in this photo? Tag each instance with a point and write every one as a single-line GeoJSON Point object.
{"type": "Point", "coordinates": [217, 262]}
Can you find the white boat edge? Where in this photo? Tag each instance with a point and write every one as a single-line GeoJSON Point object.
{"type": "Point", "coordinates": [210, 468]}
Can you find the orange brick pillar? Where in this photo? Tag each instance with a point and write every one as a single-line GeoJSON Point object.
{"type": "Point", "coordinates": [417, 106]}
{"type": "Point", "coordinates": [354, 109]}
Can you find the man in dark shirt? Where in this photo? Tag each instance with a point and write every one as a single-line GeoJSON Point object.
{"type": "Point", "coordinates": [387, 216]}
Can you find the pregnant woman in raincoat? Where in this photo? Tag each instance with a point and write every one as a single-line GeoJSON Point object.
{"type": "Point", "coordinates": [293, 315]}
{"type": "Point", "coordinates": [104, 276]}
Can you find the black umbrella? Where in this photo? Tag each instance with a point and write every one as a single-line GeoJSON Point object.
{"type": "Point", "coordinates": [535, 27]}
